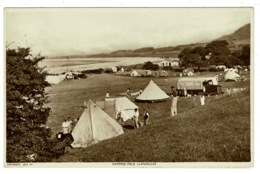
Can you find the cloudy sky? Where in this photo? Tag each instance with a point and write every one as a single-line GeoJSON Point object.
{"type": "Point", "coordinates": [68, 31]}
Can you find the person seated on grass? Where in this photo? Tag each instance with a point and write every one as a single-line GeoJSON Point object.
{"type": "Point", "coordinates": [65, 126]}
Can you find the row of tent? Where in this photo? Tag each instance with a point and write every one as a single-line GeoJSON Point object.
{"type": "Point", "coordinates": [98, 120]}
{"type": "Point", "coordinates": [145, 73]}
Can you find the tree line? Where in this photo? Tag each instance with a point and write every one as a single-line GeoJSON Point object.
{"type": "Point", "coordinates": [214, 53]}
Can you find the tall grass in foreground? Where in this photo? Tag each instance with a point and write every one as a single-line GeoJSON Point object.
{"type": "Point", "coordinates": [216, 132]}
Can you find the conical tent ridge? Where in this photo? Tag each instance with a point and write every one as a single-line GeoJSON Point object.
{"type": "Point", "coordinates": [152, 93]}
{"type": "Point", "coordinates": [93, 126]}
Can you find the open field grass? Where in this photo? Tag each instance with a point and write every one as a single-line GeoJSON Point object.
{"type": "Point", "coordinates": [213, 133]}
{"type": "Point", "coordinates": [219, 131]}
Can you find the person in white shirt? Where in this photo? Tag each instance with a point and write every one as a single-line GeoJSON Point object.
{"type": "Point", "coordinates": [107, 95]}
{"type": "Point", "coordinates": [202, 100]}
{"type": "Point", "coordinates": [174, 102]}
{"type": "Point", "coordinates": [65, 126]}
{"type": "Point", "coordinates": [185, 91]}
{"type": "Point", "coordinates": [70, 123]}
{"type": "Point", "coordinates": [135, 119]}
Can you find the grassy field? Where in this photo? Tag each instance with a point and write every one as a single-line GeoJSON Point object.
{"type": "Point", "coordinates": [218, 131]}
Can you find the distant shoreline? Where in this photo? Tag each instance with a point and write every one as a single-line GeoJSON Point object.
{"type": "Point", "coordinates": [60, 65]}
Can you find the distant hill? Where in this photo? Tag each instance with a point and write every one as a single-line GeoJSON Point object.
{"type": "Point", "coordinates": [240, 36]}
{"type": "Point", "coordinates": [236, 39]}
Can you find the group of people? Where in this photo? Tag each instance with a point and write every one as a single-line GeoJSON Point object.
{"type": "Point", "coordinates": [68, 123]}
{"type": "Point", "coordinates": [136, 121]}
{"type": "Point", "coordinates": [175, 96]}
{"type": "Point", "coordinates": [135, 118]}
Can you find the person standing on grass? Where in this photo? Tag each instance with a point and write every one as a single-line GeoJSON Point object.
{"type": "Point", "coordinates": [174, 102]}
{"type": "Point", "coordinates": [185, 91]}
{"type": "Point", "coordinates": [202, 100]}
{"type": "Point", "coordinates": [146, 117]}
{"type": "Point", "coordinates": [70, 123]}
{"type": "Point", "coordinates": [65, 126]}
{"type": "Point", "coordinates": [128, 92]}
{"type": "Point", "coordinates": [135, 119]}
{"type": "Point", "coordinates": [119, 118]}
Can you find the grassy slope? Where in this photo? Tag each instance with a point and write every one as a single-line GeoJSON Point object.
{"type": "Point", "coordinates": [66, 99]}
{"type": "Point", "coordinates": [196, 134]}
{"type": "Point", "coordinates": [216, 132]}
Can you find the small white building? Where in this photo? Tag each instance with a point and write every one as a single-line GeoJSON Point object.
{"type": "Point", "coordinates": [114, 69]}
{"type": "Point", "coordinates": [170, 63]}
{"type": "Point", "coordinates": [188, 72]}
{"type": "Point", "coordinates": [122, 69]}
{"type": "Point", "coordinates": [221, 67]}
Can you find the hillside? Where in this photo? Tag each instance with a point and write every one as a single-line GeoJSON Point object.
{"type": "Point", "coordinates": [211, 133]}
{"type": "Point", "coordinates": [240, 36]}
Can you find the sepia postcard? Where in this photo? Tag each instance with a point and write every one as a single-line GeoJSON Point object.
{"type": "Point", "coordinates": [129, 87]}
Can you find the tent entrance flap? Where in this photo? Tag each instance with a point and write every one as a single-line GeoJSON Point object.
{"type": "Point", "coordinates": [93, 126]}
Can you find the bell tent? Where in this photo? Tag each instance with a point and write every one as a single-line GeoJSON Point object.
{"type": "Point", "coordinates": [152, 93]}
{"type": "Point", "coordinates": [231, 76]}
{"type": "Point", "coordinates": [121, 104]}
{"type": "Point", "coordinates": [93, 126]}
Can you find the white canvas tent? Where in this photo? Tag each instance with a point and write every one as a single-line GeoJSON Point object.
{"type": "Point", "coordinates": [134, 73]}
{"type": "Point", "coordinates": [93, 126]}
{"type": "Point", "coordinates": [54, 79]}
{"type": "Point", "coordinates": [121, 104]}
{"type": "Point", "coordinates": [231, 75]}
{"type": "Point", "coordinates": [152, 93]}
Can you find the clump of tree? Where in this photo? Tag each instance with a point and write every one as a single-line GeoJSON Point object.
{"type": "Point", "coordinates": [150, 66]}
{"type": "Point", "coordinates": [167, 68]}
{"type": "Point", "coordinates": [243, 55]}
{"type": "Point", "coordinates": [93, 71]}
{"type": "Point", "coordinates": [146, 49]}
{"type": "Point", "coordinates": [214, 53]}
{"type": "Point", "coordinates": [108, 70]}
{"type": "Point", "coordinates": [190, 57]}
{"type": "Point", "coordinates": [27, 138]}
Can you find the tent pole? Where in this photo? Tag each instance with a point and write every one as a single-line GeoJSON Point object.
{"type": "Point", "coordinates": [91, 122]}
